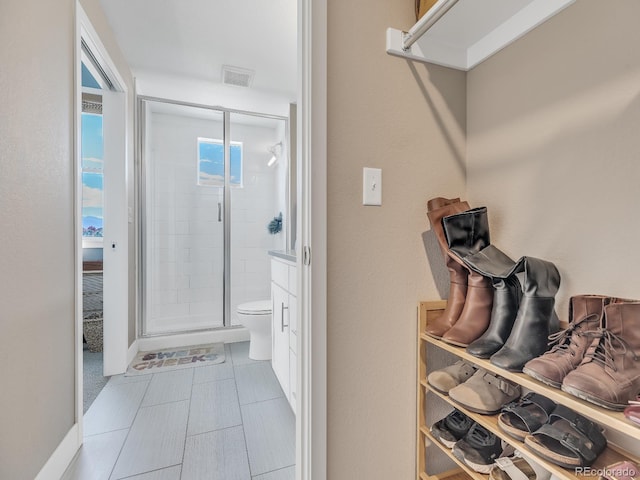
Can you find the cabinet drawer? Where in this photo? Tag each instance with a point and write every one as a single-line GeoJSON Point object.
{"type": "Point", "coordinates": [293, 281]}
{"type": "Point", "coordinates": [280, 274]}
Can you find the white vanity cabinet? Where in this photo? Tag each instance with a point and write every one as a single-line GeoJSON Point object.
{"type": "Point", "coordinates": [284, 325]}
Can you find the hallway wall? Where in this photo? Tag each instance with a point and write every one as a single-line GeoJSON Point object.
{"type": "Point", "coordinates": [553, 145]}
{"type": "Point", "coordinates": [409, 120]}
{"type": "Point", "coordinates": [37, 259]}
{"type": "Point", "coordinates": [37, 324]}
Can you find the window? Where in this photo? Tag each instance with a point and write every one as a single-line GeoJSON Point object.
{"type": "Point", "coordinates": [211, 163]}
{"type": "Point", "coordinates": [92, 167]}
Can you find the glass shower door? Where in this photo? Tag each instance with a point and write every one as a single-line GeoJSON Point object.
{"type": "Point", "coordinates": [184, 226]}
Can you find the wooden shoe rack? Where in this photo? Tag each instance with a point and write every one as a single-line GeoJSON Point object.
{"type": "Point", "coordinates": [428, 311]}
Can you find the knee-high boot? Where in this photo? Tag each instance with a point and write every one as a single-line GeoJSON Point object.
{"type": "Point", "coordinates": [437, 209]}
{"type": "Point", "coordinates": [466, 233]}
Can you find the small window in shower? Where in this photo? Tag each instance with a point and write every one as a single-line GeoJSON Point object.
{"type": "Point", "coordinates": [211, 163]}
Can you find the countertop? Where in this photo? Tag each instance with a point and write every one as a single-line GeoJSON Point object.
{"type": "Point", "coordinates": [289, 255]}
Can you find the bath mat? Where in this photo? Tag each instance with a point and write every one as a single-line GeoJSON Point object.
{"type": "Point", "coordinates": [177, 358]}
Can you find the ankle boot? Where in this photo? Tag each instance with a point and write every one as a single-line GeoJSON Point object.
{"type": "Point", "coordinates": [437, 209]}
{"type": "Point", "coordinates": [506, 300]}
{"type": "Point", "coordinates": [609, 374]}
{"type": "Point", "coordinates": [569, 345]}
{"type": "Point", "coordinates": [536, 319]}
{"type": "Point", "coordinates": [468, 232]}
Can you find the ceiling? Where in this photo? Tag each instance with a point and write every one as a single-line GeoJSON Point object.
{"type": "Point", "coordinates": [195, 38]}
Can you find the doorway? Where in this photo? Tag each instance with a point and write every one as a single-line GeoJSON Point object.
{"type": "Point", "coordinates": [211, 182]}
{"type": "Point", "coordinates": [101, 216]}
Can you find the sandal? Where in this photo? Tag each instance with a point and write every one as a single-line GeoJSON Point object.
{"type": "Point", "coordinates": [518, 419]}
{"type": "Point", "coordinates": [517, 467]}
{"type": "Point", "coordinates": [569, 439]}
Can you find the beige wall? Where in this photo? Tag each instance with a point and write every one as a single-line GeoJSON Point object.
{"type": "Point", "coordinates": [553, 146]}
{"type": "Point", "coordinates": [37, 293]}
{"type": "Point", "coordinates": [37, 262]}
{"type": "Point", "coordinates": [409, 121]}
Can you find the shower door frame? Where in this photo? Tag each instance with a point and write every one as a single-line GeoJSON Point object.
{"type": "Point", "coordinates": [140, 112]}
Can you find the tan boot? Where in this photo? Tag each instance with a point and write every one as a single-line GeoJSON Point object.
{"type": "Point", "coordinates": [585, 313]}
{"type": "Point", "coordinates": [609, 374]}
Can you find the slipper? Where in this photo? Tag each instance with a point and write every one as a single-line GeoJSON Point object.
{"type": "Point", "coordinates": [518, 419]}
{"type": "Point", "coordinates": [632, 412]}
{"type": "Point", "coordinates": [569, 439]}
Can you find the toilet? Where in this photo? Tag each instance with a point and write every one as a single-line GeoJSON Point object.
{"type": "Point", "coordinates": [256, 316]}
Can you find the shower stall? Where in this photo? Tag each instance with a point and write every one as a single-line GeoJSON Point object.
{"type": "Point", "coordinates": [209, 191]}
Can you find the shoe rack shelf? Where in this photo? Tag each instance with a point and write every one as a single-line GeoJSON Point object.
{"type": "Point", "coordinates": [611, 420]}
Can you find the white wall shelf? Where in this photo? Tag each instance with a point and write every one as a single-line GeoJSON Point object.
{"type": "Point", "coordinates": [470, 31]}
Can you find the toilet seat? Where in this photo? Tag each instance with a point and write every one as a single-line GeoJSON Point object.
{"type": "Point", "coordinates": [261, 307]}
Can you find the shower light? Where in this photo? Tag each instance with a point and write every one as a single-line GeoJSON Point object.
{"type": "Point", "coordinates": [274, 154]}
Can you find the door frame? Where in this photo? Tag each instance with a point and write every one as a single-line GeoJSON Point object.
{"type": "Point", "coordinates": [116, 334]}
{"type": "Point", "coordinates": [311, 424]}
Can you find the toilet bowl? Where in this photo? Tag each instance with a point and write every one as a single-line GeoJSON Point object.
{"type": "Point", "coordinates": [256, 317]}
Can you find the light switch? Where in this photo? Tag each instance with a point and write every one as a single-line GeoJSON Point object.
{"type": "Point", "coordinates": [371, 186]}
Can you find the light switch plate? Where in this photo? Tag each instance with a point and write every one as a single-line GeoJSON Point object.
{"type": "Point", "coordinates": [372, 186]}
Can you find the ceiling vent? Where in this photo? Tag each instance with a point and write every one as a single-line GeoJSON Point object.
{"type": "Point", "coordinates": [240, 77]}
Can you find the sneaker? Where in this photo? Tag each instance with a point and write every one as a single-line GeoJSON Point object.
{"type": "Point", "coordinates": [451, 428]}
{"type": "Point", "coordinates": [478, 449]}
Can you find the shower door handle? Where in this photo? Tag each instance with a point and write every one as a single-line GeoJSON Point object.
{"type": "Point", "coordinates": [219, 211]}
{"type": "Point", "coordinates": [282, 325]}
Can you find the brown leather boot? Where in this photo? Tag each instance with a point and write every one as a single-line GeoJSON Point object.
{"type": "Point", "coordinates": [609, 374]}
{"type": "Point", "coordinates": [468, 232]}
{"type": "Point", "coordinates": [476, 314]}
{"type": "Point", "coordinates": [437, 209]}
{"type": "Point", "coordinates": [569, 345]}
{"type": "Point", "coordinates": [455, 303]}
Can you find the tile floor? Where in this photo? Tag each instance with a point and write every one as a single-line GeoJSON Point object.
{"type": "Point", "coordinates": [229, 421]}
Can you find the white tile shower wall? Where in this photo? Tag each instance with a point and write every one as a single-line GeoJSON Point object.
{"type": "Point", "coordinates": [253, 207]}
{"type": "Point", "coordinates": [185, 275]}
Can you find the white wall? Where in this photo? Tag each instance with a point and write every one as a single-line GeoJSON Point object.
{"type": "Point", "coordinates": [185, 272]}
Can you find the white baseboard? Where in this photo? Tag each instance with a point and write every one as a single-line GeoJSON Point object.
{"type": "Point", "coordinates": [227, 335]}
{"type": "Point", "coordinates": [62, 456]}
{"type": "Point", "coordinates": [132, 352]}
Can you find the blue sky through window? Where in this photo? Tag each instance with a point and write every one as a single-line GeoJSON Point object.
{"type": "Point", "coordinates": [92, 147]}
{"type": "Point", "coordinates": [211, 163]}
